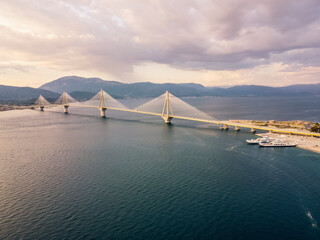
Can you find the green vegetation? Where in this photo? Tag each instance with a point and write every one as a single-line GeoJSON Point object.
{"type": "Point", "coordinates": [315, 127]}
{"type": "Point", "coordinates": [279, 124]}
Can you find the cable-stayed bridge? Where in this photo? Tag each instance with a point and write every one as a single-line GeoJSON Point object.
{"type": "Point", "coordinates": [166, 106]}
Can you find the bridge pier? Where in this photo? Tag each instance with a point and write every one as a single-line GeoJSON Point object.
{"type": "Point", "coordinates": [225, 127]}
{"type": "Point", "coordinates": [41, 108]}
{"type": "Point", "coordinates": [103, 112]}
{"type": "Point", "coordinates": [253, 130]}
{"type": "Point", "coordinates": [237, 128]}
{"type": "Point", "coordinates": [65, 109]}
{"type": "Point", "coordinates": [167, 119]}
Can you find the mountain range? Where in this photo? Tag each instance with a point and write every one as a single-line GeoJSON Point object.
{"type": "Point", "coordinates": [84, 88]}
{"type": "Point", "coordinates": [24, 95]}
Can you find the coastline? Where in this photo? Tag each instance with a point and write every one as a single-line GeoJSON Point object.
{"type": "Point", "coordinates": [4, 108]}
{"type": "Point", "coordinates": [304, 142]}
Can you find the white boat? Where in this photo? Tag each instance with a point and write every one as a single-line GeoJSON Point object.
{"type": "Point", "coordinates": [278, 143]}
{"type": "Point", "coordinates": [265, 139]}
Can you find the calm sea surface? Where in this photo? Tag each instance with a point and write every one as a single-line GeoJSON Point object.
{"type": "Point", "coordinates": [77, 176]}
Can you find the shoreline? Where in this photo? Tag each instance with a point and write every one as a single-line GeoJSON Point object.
{"type": "Point", "coordinates": [4, 108]}
{"type": "Point", "coordinates": [304, 142]}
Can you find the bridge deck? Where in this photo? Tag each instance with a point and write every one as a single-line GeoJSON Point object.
{"type": "Point", "coordinates": [277, 130]}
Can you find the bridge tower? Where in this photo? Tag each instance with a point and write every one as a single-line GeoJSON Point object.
{"type": "Point", "coordinates": [65, 102]}
{"type": "Point", "coordinates": [41, 101]}
{"type": "Point", "coordinates": [102, 105]}
{"type": "Point", "coordinates": [167, 113]}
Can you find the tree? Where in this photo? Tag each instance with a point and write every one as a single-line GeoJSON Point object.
{"type": "Point", "coordinates": [315, 127]}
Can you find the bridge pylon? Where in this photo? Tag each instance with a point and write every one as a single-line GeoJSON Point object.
{"type": "Point", "coordinates": [167, 113]}
{"type": "Point", "coordinates": [41, 102]}
{"type": "Point", "coordinates": [102, 104]}
{"type": "Point", "coordinates": [65, 102]}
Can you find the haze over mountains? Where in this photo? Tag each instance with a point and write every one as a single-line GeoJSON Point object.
{"type": "Point", "coordinates": [149, 89]}
{"type": "Point", "coordinates": [24, 95]}
{"type": "Point", "coordinates": [84, 88]}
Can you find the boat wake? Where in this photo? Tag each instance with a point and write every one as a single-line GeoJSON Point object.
{"type": "Point", "coordinates": [312, 220]}
{"type": "Point", "coordinates": [231, 148]}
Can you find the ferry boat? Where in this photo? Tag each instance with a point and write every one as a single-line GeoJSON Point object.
{"type": "Point", "coordinates": [265, 139]}
{"type": "Point", "coordinates": [277, 143]}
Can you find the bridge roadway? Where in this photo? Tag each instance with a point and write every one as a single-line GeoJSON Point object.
{"type": "Point", "coordinates": [225, 124]}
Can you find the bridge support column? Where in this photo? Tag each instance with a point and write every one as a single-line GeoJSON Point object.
{"type": "Point", "coordinates": [225, 127]}
{"type": "Point", "coordinates": [65, 109]}
{"type": "Point", "coordinates": [103, 112]}
{"type": "Point", "coordinates": [252, 130]}
{"type": "Point", "coordinates": [167, 119]}
{"type": "Point", "coordinates": [237, 128]}
{"type": "Point", "coordinates": [41, 108]}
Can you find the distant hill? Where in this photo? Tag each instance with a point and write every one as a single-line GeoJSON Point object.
{"type": "Point", "coordinates": [82, 95]}
{"type": "Point", "coordinates": [264, 91]}
{"type": "Point", "coordinates": [17, 95]}
{"type": "Point", "coordinates": [123, 90]}
{"type": "Point", "coordinates": [85, 87]}
{"type": "Point", "coordinates": [74, 83]}
{"type": "Point", "coordinates": [302, 88]}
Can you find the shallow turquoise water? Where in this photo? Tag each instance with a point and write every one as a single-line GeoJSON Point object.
{"type": "Point", "coordinates": [81, 177]}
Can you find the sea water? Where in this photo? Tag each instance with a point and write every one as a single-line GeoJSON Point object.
{"type": "Point", "coordinates": [76, 176]}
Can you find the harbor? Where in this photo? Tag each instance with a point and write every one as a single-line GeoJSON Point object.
{"type": "Point", "coordinates": [305, 142]}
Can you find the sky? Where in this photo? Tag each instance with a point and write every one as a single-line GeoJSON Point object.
{"type": "Point", "coordinates": [211, 42]}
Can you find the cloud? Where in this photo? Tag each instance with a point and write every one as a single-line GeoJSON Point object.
{"type": "Point", "coordinates": [115, 35]}
{"type": "Point", "coordinates": [14, 66]}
